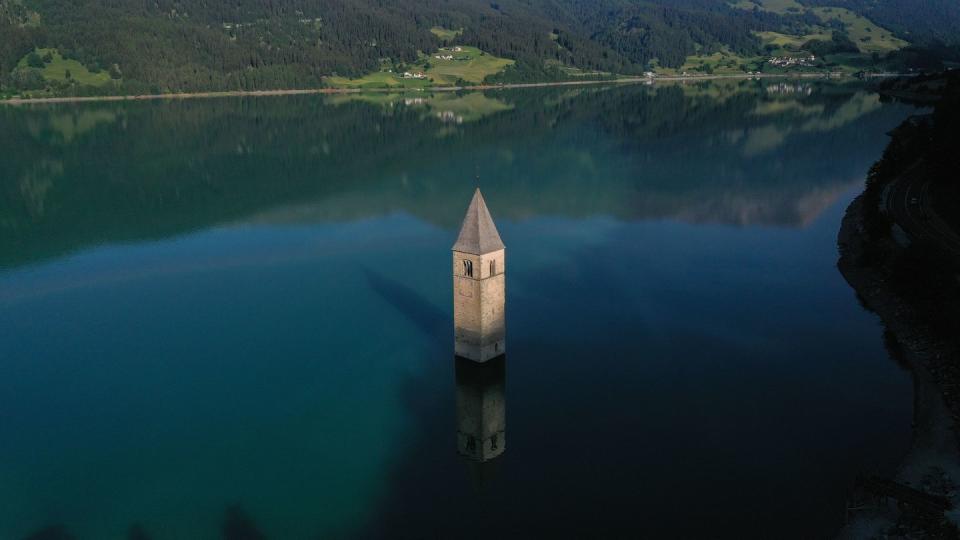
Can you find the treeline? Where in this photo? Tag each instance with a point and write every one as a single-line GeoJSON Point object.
{"type": "Point", "coordinates": [197, 45]}
{"type": "Point", "coordinates": [181, 46]}
{"type": "Point", "coordinates": [668, 32]}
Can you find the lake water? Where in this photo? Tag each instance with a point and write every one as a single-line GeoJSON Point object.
{"type": "Point", "coordinates": [218, 315]}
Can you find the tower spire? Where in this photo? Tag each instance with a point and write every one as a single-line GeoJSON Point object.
{"type": "Point", "coordinates": [478, 234]}
{"type": "Point", "coordinates": [479, 287]}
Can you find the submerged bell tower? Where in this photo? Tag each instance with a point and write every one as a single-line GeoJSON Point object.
{"type": "Point", "coordinates": [479, 287]}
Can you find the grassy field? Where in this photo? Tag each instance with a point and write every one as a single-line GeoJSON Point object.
{"type": "Point", "coordinates": [575, 71]}
{"type": "Point", "coordinates": [445, 33]}
{"type": "Point", "coordinates": [378, 79]}
{"type": "Point", "coordinates": [469, 64]}
{"type": "Point", "coordinates": [869, 37]}
{"type": "Point", "coordinates": [719, 63]}
{"type": "Point", "coordinates": [786, 41]}
{"type": "Point", "coordinates": [776, 6]}
{"type": "Point", "coordinates": [726, 62]}
{"type": "Point", "coordinates": [57, 69]}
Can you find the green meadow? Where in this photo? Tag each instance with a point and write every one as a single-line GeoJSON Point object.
{"type": "Point", "coordinates": [58, 67]}
{"type": "Point", "coordinates": [787, 41]}
{"type": "Point", "coordinates": [723, 62]}
{"type": "Point", "coordinates": [445, 33]}
{"type": "Point", "coordinates": [869, 37]}
{"type": "Point", "coordinates": [776, 6]}
{"type": "Point", "coordinates": [378, 79]}
{"type": "Point", "coordinates": [468, 64]}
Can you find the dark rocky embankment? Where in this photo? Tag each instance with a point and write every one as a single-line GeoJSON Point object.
{"type": "Point", "coordinates": [899, 257]}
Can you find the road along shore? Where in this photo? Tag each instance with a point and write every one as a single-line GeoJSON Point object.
{"type": "Point", "coordinates": [397, 90]}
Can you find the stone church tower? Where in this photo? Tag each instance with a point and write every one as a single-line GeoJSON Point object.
{"type": "Point", "coordinates": [479, 287]}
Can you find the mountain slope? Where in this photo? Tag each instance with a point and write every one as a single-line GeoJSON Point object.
{"type": "Point", "coordinates": [191, 45]}
{"type": "Point", "coordinates": [914, 20]}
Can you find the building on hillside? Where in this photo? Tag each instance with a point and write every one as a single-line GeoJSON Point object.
{"type": "Point", "coordinates": [787, 61]}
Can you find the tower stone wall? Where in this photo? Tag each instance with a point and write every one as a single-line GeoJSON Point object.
{"type": "Point", "coordinates": [479, 286]}
{"type": "Point", "coordinates": [479, 305]}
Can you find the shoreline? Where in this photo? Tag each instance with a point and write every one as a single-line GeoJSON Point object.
{"type": "Point", "coordinates": [476, 87]}
{"type": "Point", "coordinates": [934, 456]}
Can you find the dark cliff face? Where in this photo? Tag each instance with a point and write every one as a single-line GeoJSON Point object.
{"type": "Point", "coordinates": [913, 195]}
{"type": "Point", "coordinates": [909, 278]}
{"type": "Point", "coordinates": [904, 230]}
{"type": "Point", "coordinates": [934, 362]}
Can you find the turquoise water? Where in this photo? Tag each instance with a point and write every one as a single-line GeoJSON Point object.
{"type": "Point", "coordinates": [243, 306]}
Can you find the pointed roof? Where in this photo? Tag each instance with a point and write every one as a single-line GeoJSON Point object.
{"type": "Point", "coordinates": [478, 235]}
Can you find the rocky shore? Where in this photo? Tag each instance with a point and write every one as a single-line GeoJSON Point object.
{"type": "Point", "coordinates": [933, 464]}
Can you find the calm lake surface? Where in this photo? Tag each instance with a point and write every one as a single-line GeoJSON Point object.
{"type": "Point", "coordinates": [240, 310]}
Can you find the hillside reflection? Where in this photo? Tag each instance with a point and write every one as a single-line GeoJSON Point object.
{"type": "Point", "coordinates": [75, 176]}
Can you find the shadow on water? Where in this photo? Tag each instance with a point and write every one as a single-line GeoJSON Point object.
{"type": "Point", "coordinates": [238, 525]}
{"type": "Point", "coordinates": [428, 473]}
{"type": "Point", "coordinates": [615, 438]}
{"type": "Point", "coordinates": [53, 532]}
{"type": "Point", "coordinates": [428, 318]}
{"type": "Point", "coordinates": [458, 434]}
{"type": "Point", "coordinates": [137, 532]}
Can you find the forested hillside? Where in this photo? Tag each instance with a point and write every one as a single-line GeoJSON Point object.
{"type": "Point", "coordinates": [917, 20]}
{"type": "Point", "coordinates": [190, 45]}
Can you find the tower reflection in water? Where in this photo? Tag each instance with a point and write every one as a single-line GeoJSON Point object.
{"type": "Point", "coordinates": [481, 408]}
{"type": "Point", "coordinates": [479, 327]}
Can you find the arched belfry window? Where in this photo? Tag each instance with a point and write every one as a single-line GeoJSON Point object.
{"type": "Point", "coordinates": [468, 268]}
{"type": "Point", "coordinates": [493, 267]}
